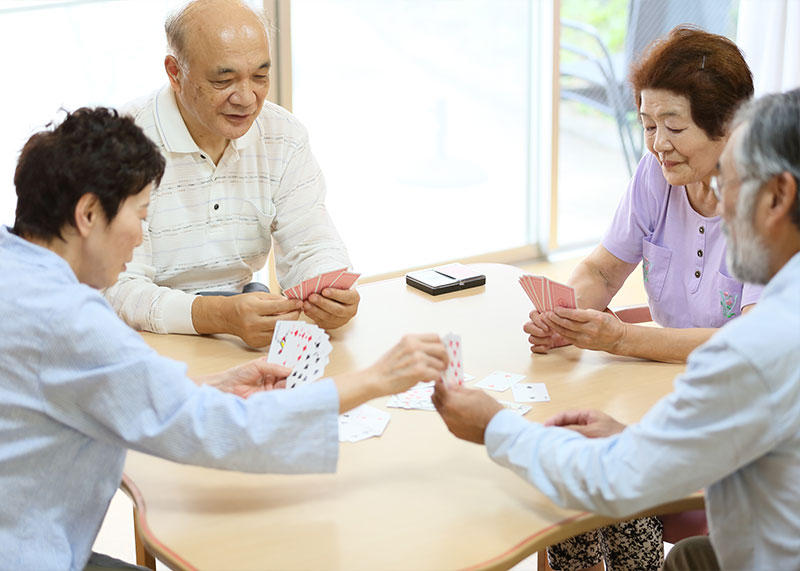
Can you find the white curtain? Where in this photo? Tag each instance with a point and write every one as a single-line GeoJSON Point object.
{"type": "Point", "coordinates": [769, 35]}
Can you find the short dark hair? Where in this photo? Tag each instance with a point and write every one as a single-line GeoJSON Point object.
{"type": "Point", "coordinates": [708, 69]}
{"type": "Point", "coordinates": [92, 151]}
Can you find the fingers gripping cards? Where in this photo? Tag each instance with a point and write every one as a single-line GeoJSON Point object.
{"type": "Point", "coordinates": [337, 279]}
{"type": "Point", "coordinates": [547, 294]}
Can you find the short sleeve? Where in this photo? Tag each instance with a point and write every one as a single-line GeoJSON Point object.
{"type": "Point", "coordinates": [638, 211]}
{"type": "Point", "coordinates": [751, 294]}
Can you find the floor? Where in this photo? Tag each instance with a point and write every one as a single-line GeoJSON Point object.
{"type": "Point", "coordinates": [116, 534]}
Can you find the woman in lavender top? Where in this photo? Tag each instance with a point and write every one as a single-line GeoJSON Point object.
{"type": "Point", "coordinates": [687, 88]}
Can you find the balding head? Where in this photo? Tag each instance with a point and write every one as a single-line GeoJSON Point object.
{"type": "Point", "coordinates": [219, 70]}
{"type": "Point", "coordinates": [190, 27]}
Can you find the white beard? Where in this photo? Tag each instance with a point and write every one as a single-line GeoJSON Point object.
{"type": "Point", "coordinates": [747, 256]}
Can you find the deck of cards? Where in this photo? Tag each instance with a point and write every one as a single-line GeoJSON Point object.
{"type": "Point", "coordinates": [547, 294]}
{"type": "Point", "coordinates": [337, 279]}
{"type": "Point", "coordinates": [303, 347]}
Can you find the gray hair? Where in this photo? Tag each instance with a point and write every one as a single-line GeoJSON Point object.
{"type": "Point", "coordinates": [176, 22]}
{"type": "Point", "coordinates": [770, 143]}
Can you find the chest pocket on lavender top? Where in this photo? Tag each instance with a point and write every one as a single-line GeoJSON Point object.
{"type": "Point", "coordinates": [729, 300]}
{"type": "Point", "coordinates": [655, 264]}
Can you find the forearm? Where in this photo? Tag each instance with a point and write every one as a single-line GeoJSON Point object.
{"type": "Point", "coordinates": [210, 314]}
{"type": "Point", "coordinates": [666, 344]}
{"type": "Point", "coordinates": [608, 476]}
{"type": "Point", "coordinates": [279, 431]}
{"type": "Point", "coordinates": [146, 306]}
{"type": "Point", "coordinates": [592, 289]}
{"type": "Point", "coordinates": [356, 388]}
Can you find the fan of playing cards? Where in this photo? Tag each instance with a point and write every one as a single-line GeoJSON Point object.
{"type": "Point", "coordinates": [547, 294]}
{"type": "Point", "coordinates": [303, 347]}
{"type": "Point", "coordinates": [337, 279]}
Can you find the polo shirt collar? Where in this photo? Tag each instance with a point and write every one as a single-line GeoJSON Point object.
{"type": "Point", "coordinates": [173, 130]}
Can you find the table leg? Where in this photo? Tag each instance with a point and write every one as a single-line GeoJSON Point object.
{"type": "Point", "coordinates": [143, 556]}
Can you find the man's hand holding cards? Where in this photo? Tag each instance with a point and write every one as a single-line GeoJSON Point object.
{"type": "Point", "coordinates": [337, 279]}
{"type": "Point", "coordinates": [328, 298]}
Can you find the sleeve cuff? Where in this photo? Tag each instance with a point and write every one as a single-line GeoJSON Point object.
{"type": "Point", "coordinates": [618, 250]}
{"type": "Point", "coordinates": [177, 312]}
{"type": "Point", "coordinates": [503, 424]}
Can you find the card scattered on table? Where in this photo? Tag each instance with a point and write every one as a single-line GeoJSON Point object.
{"type": "Point", "coordinates": [547, 294]}
{"type": "Point", "coordinates": [519, 408]}
{"type": "Point", "coordinates": [499, 381]}
{"type": "Point", "coordinates": [362, 422]}
{"type": "Point", "coordinates": [454, 374]}
{"type": "Point", "coordinates": [303, 347]}
{"type": "Point", "coordinates": [417, 397]}
{"type": "Point", "coordinates": [337, 279]}
{"type": "Point", "coordinates": [530, 392]}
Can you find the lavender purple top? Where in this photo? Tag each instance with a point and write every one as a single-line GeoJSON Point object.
{"type": "Point", "coordinates": [682, 253]}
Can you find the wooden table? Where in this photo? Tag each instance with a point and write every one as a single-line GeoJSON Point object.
{"type": "Point", "coordinates": [415, 498]}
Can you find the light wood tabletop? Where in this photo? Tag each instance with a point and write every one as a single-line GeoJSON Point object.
{"type": "Point", "coordinates": [415, 497]}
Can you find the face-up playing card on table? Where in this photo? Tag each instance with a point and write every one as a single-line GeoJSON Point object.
{"type": "Point", "coordinates": [417, 397]}
{"type": "Point", "coordinates": [362, 422]}
{"type": "Point", "coordinates": [530, 392]}
{"type": "Point", "coordinates": [518, 408]}
{"type": "Point", "coordinates": [454, 374]}
{"type": "Point", "coordinates": [499, 381]}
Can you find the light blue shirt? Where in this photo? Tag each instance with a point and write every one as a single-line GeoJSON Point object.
{"type": "Point", "coordinates": [731, 425]}
{"type": "Point", "coordinates": [78, 387]}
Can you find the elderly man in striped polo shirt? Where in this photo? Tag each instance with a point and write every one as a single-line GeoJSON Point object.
{"type": "Point", "coordinates": [239, 174]}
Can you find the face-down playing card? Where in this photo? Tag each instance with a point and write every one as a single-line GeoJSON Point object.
{"type": "Point", "coordinates": [547, 294]}
{"type": "Point", "coordinates": [338, 279]}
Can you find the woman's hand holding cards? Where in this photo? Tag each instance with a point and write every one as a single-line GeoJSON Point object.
{"type": "Point", "coordinates": [540, 336]}
{"type": "Point", "coordinates": [587, 328]}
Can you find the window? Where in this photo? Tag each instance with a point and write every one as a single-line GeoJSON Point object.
{"type": "Point", "coordinates": [420, 114]}
{"type": "Point", "coordinates": [70, 54]}
{"type": "Point", "coordinates": [600, 139]}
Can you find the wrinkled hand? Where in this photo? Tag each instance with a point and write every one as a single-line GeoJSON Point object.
{"type": "Point", "coordinates": [414, 359]}
{"type": "Point", "coordinates": [466, 412]}
{"type": "Point", "coordinates": [252, 316]}
{"type": "Point", "coordinates": [250, 378]}
{"type": "Point", "coordinates": [540, 336]}
{"type": "Point", "coordinates": [587, 328]}
{"type": "Point", "coordinates": [590, 423]}
{"type": "Point", "coordinates": [332, 308]}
